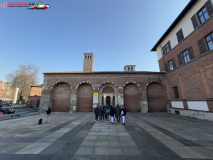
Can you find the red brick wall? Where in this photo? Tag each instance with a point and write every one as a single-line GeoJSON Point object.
{"type": "Point", "coordinates": [85, 98]}
{"type": "Point", "coordinates": [61, 98]}
{"type": "Point", "coordinates": [193, 79]}
{"type": "Point", "coordinates": [95, 81]}
{"type": "Point", "coordinates": [35, 91]}
{"type": "Point", "coordinates": [108, 90]}
{"type": "Point", "coordinates": [132, 98]}
{"type": "Point", "coordinates": [156, 97]}
{"type": "Point", "coordinates": [33, 100]}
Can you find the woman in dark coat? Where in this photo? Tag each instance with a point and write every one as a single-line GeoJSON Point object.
{"type": "Point", "coordinates": [112, 113]}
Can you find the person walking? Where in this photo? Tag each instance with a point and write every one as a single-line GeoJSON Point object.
{"type": "Point", "coordinates": [48, 111]}
{"type": "Point", "coordinates": [100, 113]}
{"type": "Point", "coordinates": [104, 112]}
{"type": "Point", "coordinates": [96, 114]}
{"type": "Point", "coordinates": [107, 114]}
{"type": "Point", "coordinates": [118, 113]}
{"type": "Point", "coordinates": [123, 114]}
{"type": "Point", "coordinates": [112, 113]}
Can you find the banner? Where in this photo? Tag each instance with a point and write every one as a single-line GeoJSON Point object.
{"type": "Point", "coordinates": [95, 99]}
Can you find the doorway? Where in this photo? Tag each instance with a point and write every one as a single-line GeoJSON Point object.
{"type": "Point", "coordinates": [108, 100]}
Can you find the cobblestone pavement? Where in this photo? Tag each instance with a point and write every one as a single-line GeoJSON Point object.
{"type": "Point", "coordinates": [78, 137]}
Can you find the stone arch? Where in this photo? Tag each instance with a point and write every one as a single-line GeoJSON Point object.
{"type": "Point", "coordinates": [132, 97]}
{"type": "Point", "coordinates": [85, 97]}
{"type": "Point", "coordinates": [107, 88]}
{"type": "Point", "coordinates": [60, 97]}
{"type": "Point", "coordinates": [156, 97]}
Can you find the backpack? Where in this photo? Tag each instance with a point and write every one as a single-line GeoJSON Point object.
{"type": "Point", "coordinates": [40, 121]}
{"type": "Point", "coordinates": [99, 111]}
{"type": "Point", "coordinates": [122, 112]}
{"type": "Point", "coordinates": [107, 111]}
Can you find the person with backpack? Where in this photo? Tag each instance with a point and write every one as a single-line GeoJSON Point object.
{"type": "Point", "coordinates": [118, 113]}
{"type": "Point", "coordinates": [48, 111]}
{"type": "Point", "coordinates": [123, 114]}
{"type": "Point", "coordinates": [112, 113]}
{"type": "Point", "coordinates": [96, 114]}
{"type": "Point", "coordinates": [100, 113]}
{"type": "Point", "coordinates": [107, 113]}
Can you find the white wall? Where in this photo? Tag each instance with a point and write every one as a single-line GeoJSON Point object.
{"type": "Point", "coordinates": [185, 24]}
{"type": "Point", "coordinates": [177, 104]}
{"type": "Point", "coordinates": [198, 105]}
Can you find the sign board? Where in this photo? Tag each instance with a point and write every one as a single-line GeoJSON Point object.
{"type": "Point", "coordinates": [95, 99]}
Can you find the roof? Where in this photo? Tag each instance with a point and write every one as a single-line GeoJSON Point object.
{"type": "Point", "coordinates": [177, 20]}
{"type": "Point", "coordinates": [107, 72]}
{"type": "Point", "coordinates": [37, 85]}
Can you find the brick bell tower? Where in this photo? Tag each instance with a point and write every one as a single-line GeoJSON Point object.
{"type": "Point", "coordinates": [89, 60]}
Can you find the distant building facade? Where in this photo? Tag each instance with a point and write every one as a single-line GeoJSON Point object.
{"type": "Point", "coordinates": [6, 91]}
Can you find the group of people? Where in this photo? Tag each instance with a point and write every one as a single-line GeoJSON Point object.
{"type": "Point", "coordinates": [109, 113]}
{"type": "Point", "coordinates": [7, 111]}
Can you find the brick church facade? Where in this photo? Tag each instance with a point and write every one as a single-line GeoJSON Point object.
{"type": "Point", "coordinates": [184, 84]}
{"type": "Point", "coordinates": [73, 91]}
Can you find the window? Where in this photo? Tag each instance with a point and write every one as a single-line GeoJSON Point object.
{"type": "Point", "coordinates": [209, 41]}
{"type": "Point", "coordinates": [203, 15]}
{"type": "Point", "coordinates": [128, 69]}
{"type": "Point", "coordinates": [176, 94]}
{"type": "Point", "coordinates": [131, 68]}
{"type": "Point", "coordinates": [88, 57]}
{"type": "Point", "coordinates": [166, 48]}
{"type": "Point", "coordinates": [85, 57]}
{"type": "Point", "coordinates": [170, 65]}
{"type": "Point", "coordinates": [185, 56]}
{"type": "Point", "coordinates": [180, 36]}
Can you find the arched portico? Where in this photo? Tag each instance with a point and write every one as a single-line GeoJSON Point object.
{"type": "Point", "coordinates": [107, 94]}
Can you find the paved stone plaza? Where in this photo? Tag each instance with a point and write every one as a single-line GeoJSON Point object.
{"type": "Point", "coordinates": [77, 137]}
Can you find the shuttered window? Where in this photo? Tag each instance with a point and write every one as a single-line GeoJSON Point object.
{"type": "Point", "coordinates": [201, 45]}
{"type": "Point", "coordinates": [203, 15]}
{"type": "Point", "coordinates": [209, 41]}
{"type": "Point", "coordinates": [185, 56]}
{"type": "Point", "coordinates": [180, 36]}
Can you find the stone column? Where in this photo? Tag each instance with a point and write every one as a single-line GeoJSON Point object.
{"type": "Point", "coordinates": [73, 103]}
{"type": "Point", "coordinates": [104, 100]}
{"type": "Point", "coordinates": [111, 100]}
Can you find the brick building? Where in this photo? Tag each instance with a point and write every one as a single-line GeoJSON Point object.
{"type": "Point", "coordinates": [6, 91]}
{"type": "Point", "coordinates": [35, 95]}
{"type": "Point", "coordinates": [184, 83]}
{"type": "Point", "coordinates": [185, 52]}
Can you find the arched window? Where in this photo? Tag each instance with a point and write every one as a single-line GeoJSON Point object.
{"type": "Point", "coordinates": [85, 57]}
{"type": "Point", "coordinates": [88, 57]}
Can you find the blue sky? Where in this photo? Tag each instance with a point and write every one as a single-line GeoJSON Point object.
{"type": "Point", "coordinates": [116, 31]}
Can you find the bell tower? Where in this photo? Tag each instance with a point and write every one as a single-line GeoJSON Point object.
{"type": "Point", "coordinates": [89, 60]}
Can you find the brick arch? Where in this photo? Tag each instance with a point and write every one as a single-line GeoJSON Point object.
{"type": "Point", "coordinates": [108, 89]}
{"type": "Point", "coordinates": [132, 97]}
{"type": "Point", "coordinates": [156, 97]}
{"type": "Point", "coordinates": [107, 85]}
{"type": "Point", "coordinates": [85, 98]}
{"type": "Point", "coordinates": [61, 94]}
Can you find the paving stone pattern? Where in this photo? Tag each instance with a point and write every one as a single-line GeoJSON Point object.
{"type": "Point", "coordinates": [77, 137]}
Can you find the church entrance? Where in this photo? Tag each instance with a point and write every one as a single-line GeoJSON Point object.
{"type": "Point", "coordinates": [108, 100]}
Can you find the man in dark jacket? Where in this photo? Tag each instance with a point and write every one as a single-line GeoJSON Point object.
{"type": "Point", "coordinates": [96, 114]}
{"type": "Point", "coordinates": [48, 111]}
{"type": "Point", "coordinates": [123, 114]}
{"type": "Point", "coordinates": [100, 113]}
{"type": "Point", "coordinates": [118, 113]}
{"type": "Point", "coordinates": [112, 113]}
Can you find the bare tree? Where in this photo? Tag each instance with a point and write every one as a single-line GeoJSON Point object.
{"type": "Point", "coordinates": [24, 78]}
